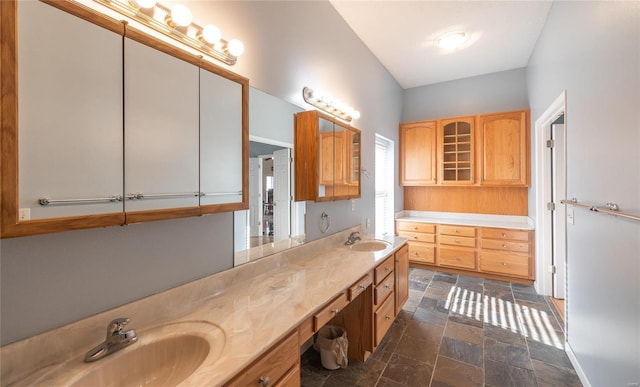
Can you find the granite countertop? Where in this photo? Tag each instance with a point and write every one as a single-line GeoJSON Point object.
{"type": "Point", "coordinates": [464, 219]}
{"type": "Point", "coordinates": [252, 307]}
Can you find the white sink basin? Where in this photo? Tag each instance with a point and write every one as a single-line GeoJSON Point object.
{"type": "Point", "coordinates": [370, 246]}
{"type": "Point", "coordinates": [163, 356]}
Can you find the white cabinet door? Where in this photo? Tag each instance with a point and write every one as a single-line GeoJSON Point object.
{"type": "Point", "coordinates": [161, 129]}
{"type": "Point", "coordinates": [220, 139]}
{"type": "Point", "coordinates": [70, 113]}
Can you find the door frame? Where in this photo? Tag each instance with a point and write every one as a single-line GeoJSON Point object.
{"type": "Point", "coordinates": [544, 219]}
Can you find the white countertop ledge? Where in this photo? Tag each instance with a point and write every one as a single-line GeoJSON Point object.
{"type": "Point", "coordinates": [255, 305]}
{"type": "Point", "coordinates": [464, 219]}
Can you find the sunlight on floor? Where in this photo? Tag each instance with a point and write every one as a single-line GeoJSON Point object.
{"type": "Point", "coordinates": [530, 322]}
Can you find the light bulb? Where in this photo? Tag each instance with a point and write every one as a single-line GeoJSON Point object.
{"type": "Point", "coordinates": [452, 41]}
{"type": "Point", "coordinates": [355, 115]}
{"type": "Point", "coordinates": [235, 47]}
{"type": "Point", "coordinates": [181, 15]}
{"type": "Point", "coordinates": [145, 3]}
{"type": "Point", "coordinates": [211, 34]}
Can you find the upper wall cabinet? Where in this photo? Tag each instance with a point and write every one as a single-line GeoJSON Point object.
{"type": "Point", "coordinates": [161, 130]}
{"type": "Point", "coordinates": [496, 150]}
{"type": "Point", "coordinates": [504, 140]}
{"type": "Point", "coordinates": [99, 129]}
{"type": "Point", "coordinates": [418, 153]}
{"type": "Point", "coordinates": [326, 158]}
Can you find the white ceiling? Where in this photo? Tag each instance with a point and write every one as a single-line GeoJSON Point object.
{"type": "Point", "coordinates": [402, 34]}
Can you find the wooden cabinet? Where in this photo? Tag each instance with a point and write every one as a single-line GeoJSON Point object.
{"type": "Point", "coordinates": [105, 138]}
{"type": "Point", "coordinates": [384, 300]}
{"type": "Point", "coordinates": [329, 311]}
{"type": "Point", "coordinates": [326, 158]}
{"type": "Point", "coordinates": [456, 149]}
{"type": "Point", "coordinates": [422, 240]}
{"type": "Point", "coordinates": [504, 149]}
{"type": "Point", "coordinates": [490, 150]}
{"type": "Point", "coordinates": [508, 252]}
{"type": "Point", "coordinates": [279, 366]}
{"type": "Point", "coordinates": [499, 253]}
{"type": "Point", "coordinates": [402, 278]}
{"type": "Point", "coordinates": [418, 153]}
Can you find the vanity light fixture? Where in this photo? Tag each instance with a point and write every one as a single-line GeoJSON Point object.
{"type": "Point", "coordinates": [328, 104]}
{"type": "Point", "coordinates": [452, 40]}
{"type": "Point", "coordinates": [177, 23]}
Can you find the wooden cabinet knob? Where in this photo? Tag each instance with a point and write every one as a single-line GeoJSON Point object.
{"type": "Point", "coordinates": [264, 381]}
{"type": "Point", "coordinates": [415, 228]}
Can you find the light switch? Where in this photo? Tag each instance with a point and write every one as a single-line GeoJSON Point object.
{"type": "Point", "coordinates": [24, 214]}
{"type": "Point", "coordinates": [353, 204]}
{"type": "Point", "coordinates": [570, 219]}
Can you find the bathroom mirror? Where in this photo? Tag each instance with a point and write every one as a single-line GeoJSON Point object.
{"type": "Point", "coordinates": [274, 222]}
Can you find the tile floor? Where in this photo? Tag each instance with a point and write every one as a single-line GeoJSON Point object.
{"type": "Point", "coordinates": [457, 330]}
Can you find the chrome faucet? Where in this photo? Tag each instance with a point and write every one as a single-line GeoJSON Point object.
{"type": "Point", "coordinates": [353, 237]}
{"type": "Point", "coordinates": [116, 339]}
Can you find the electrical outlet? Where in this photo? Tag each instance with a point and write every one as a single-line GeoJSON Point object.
{"type": "Point", "coordinates": [353, 204]}
{"type": "Point", "coordinates": [24, 214]}
{"type": "Point", "coordinates": [570, 218]}
{"type": "Point", "coordinates": [368, 222]}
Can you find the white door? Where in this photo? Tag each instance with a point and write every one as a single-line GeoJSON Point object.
{"type": "Point", "coordinates": [559, 216]}
{"type": "Point", "coordinates": [281, 194]}
{"type": "Point", "coordinates": [255, 198]}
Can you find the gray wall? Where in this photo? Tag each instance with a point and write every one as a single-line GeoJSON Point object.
{"type": "Point", "coordinates": [47, 281]}
{"type": "Point", "coordinates": [496, 92]}
{"type": "Point", "coordinates": [592, 49]}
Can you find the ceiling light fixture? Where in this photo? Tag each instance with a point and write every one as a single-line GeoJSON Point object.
{"type": "Point", "coordinates": [452, 40]}
{"type": "Point", "coordinates": [328, 104]}
{"type": "Point", "coordinates": [177, 23]}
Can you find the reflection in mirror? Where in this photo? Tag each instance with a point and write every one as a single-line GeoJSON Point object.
{"type": "Point", "coordinates": [273, 222]}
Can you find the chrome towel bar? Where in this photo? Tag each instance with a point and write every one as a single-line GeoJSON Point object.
{"type": "Point", "coordinates": [46, 201]}
{"type": "Point", "coordinates": [610, 208]}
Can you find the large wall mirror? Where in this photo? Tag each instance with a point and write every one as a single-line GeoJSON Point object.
{"type": "Point", "coordinates": [273, 222]}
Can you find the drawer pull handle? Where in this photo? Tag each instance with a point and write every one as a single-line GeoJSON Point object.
{"type": "Point", "coordinates": [336, 311]}
{"type": "Point", "coordinates": [504, 235]}
{"type": "Point", "coordinates": [387, 317]}
{"type": "Point", "coordinates": [264, 381]}
{"type": "Point", "coordinates": [387, 286]}
{"type": "Point", "coordinates": [387, 269]}
{"type": "Point", "coordinates": [456, 231]}
{"type": "Point", "coordinates": [505, 246]}
{"type": "Point", "coordinates": [456, 258]}
{"type": "Point", "coordinates": [457, 241]}
{"type": "Point", "coordinates": [415, 237]}
{"type": "Point", "coordinates": [415, 253]}
{"type": "Point", "coordinates": [363, 286]}
{"type": "Point", "coordinates": [415, 228]}
{"type": "Point", "coordinates": [504, 264]}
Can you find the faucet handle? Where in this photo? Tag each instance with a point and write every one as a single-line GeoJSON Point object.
{"type": "Point", "coordinates": [116, 325]}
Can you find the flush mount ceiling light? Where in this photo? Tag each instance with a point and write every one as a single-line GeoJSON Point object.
{"type": "Point", "coordinates": [330, 105]}
{"type": "Point", "coordinates": [452, 40]}
{"type": "Point", "coordinates": [177, 23]}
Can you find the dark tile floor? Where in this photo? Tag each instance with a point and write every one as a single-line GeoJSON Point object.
{"type": "Point", "coordinates": [457, 330]}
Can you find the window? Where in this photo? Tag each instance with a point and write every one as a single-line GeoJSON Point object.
{"type": "Point", "coordinates": [384, 185]}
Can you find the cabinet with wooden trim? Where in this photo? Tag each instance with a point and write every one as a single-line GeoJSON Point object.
{"type": "Point", "coordinates": [113, 115]}
{"type": "Point", "coordinates": [498, 253]}
{"type": "Point", "coordinates": [384, 300]}
{"type": "Point", "coordinates": [279, 366]}
{"type": "Point", "coordinates": [326, 158]}
{"type": "Point", "coordinates": [487, 150]}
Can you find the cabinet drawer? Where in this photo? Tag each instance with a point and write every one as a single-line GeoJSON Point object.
{"type": "Point", "coordinates": [383, 320]}
{"type": "Point", "coordinates": [457, 241]}
{"type": "Point", "coordinates": [422, 252]}
{"type": "Point", "coordinates": [329, 311]}
{"type": "Point", "coordinates": [273, 365]}
{"type": "Point", "coordinates": [503, 233]}
{"type": "Point", "coordinates": [505, 245]}
{"type": "Point", "coordinates": [417, 227]}
{"type": "Point", "coordinates": [383, 269]}
{"type": "Point", "coordinates": [383, 290]}
{"type": "Point", "coordinates": [505, 263]}
{"type": "Point", "coordinates": [418, 237]}
{"type": "Point", "coordinates": [465, 231]}
{"type": "Point", "coordinates": [360, 286]}
{"type": "Point", "coordinates": [291, 379]}
{"type": "Point", "coordinates": [464, 258]}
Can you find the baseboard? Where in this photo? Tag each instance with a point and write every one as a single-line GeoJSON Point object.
{"type": "Point", "coordinates": [576, 365]}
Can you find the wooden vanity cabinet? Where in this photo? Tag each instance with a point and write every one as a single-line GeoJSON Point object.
{"type": "Point", "coordinates": [402, 278]}
{"type": "Point", "coordinates": [422, 240]}
{"type": "Point", "coordinates": [384, 300]}
{"type": "Point", "coordinates": [508, 252]}
{"type": "Point", "coordinates": [279, 366]}
{"type": "Point", "coordinates": [504, 149]}
{"type": "Point", "coordinates": [418, 153]}
{"type": "Point", "coordinates": [326, 158]}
